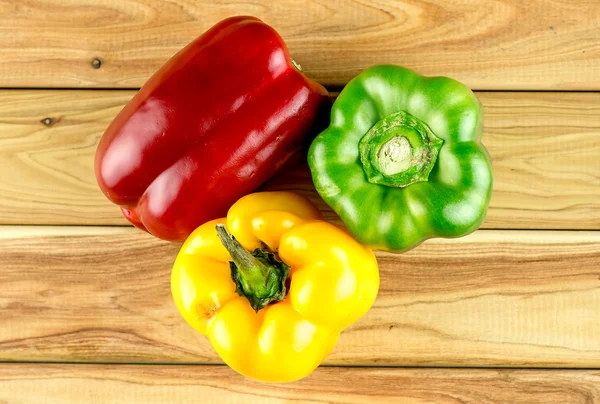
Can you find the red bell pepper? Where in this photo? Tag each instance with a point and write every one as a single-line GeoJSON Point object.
{"type": "Point", "coordinates": [213, 124]}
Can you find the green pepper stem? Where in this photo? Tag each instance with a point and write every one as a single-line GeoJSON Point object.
{"type": "Point", "coordinates": [259, 276]}
{"type": "Point", "coordinates": [296, 65]}
{"type": "Point", "coordinates": [399, 150]}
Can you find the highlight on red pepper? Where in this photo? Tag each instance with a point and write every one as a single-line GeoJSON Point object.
{"type": "Point", "coordinates": [213, 124]}
{"type": "Point", "coordinates": [272, 285]}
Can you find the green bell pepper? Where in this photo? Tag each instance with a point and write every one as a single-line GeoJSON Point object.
{"type": "Point", "coordinates": [402, 159]}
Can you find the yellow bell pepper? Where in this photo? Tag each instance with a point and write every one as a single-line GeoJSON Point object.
{"type": "Point", "coordinates": [276, 313]}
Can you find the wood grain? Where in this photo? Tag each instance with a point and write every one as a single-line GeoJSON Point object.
{"type": "Point", "coordinates": [545, 149]}
{"type": "Point", "coordinates": [47, 145]}
{"type": "Point", "coordinates": [493, 44]}
{"type": "Point", "coordinates": [495, 298]}
{"type": "Point", "coordinates": [28, 383]}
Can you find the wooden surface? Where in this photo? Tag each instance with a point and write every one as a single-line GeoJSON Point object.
{"type": "Point", "coordinates": [495, 298]}
{"type": "Point", "coordinates": [79, 288]}
{"type": "Point", "coordinates": [490, 44]}
{"type": "Point", "coordinates": [545, 149]}
{"type": "Point", "coordinates": [215, 384]}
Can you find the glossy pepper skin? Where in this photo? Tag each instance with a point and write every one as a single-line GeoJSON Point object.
{"type": "Point", "coordinates": [213, 124]}
{"type": "Point", "coordinates": [333, 281]}
{"type": "Point", "coordinates": [402, 159]}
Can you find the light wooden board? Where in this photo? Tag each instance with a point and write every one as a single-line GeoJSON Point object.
{"type": "Point", "coordinates": [495, 298]}
{"type": "Point", "coordinates": [545, 149]}
{"type": "Point", "coordinates": [509, 44]}
{"type": "Point", "coordinates": [31, 383]}
{"type": "Point", "coordinates": [47, 145]}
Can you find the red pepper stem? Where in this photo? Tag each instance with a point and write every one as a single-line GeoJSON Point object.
{"type": "Point", "coordinates": [258, 276]}
{"type": "Point", "coordinates": [296, 65]}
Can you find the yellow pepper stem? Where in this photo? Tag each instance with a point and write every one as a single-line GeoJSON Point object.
{"type": "Point", "coordinates": [259, 276]}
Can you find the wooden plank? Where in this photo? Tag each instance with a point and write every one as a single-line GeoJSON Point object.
{"type": "Point", "coordinates": [34, 383]}
{"type": "Point", "coordinates": [47, 145]}
{"type": "Point", "coordinates": [494, 298]}
{"type": "Point", "coordinates": [545, 149]}
{"type": "Point", "coordinates": [512, 44]}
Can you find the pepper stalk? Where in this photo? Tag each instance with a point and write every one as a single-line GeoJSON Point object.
{"type": "Point", "coordinates": [399, 150]}
{"type": "Point", "coordinates": [259, 276]}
